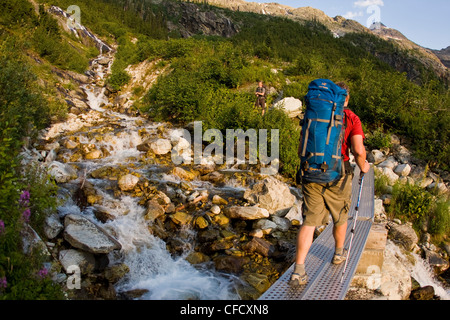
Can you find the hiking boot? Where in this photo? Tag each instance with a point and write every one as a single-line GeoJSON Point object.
{"type": "Point", "coordinates": [339, 258]}
{"type": "Point", "coordinates": [298, 280]}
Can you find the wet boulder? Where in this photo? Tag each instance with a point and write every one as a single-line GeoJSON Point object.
{"type": "Point", "coordinates": [128, 182]}
{"type": "Point", "coordinates": [61, 172]}
{"type": "Point", "coordinates": [72, 257]}
{"type": "Point", "coordinates": [161, 146]}
{"type": "Point", "coordinates": [154, 210]}
{"type": "Point", "coordinates": [230, 264]}
{"type": "Point", "coordinates": [52, 226]}
{"type": "Point", "coordinates": [247, 213]}
{"type": "Point", "coordinates": [87, 236]}
{"type": "Point", "coordinates": [404, 234]}
{"type": "Point", "coordinates": [261, 246]}
{"type": "Point", "coordinates": [271, 194]}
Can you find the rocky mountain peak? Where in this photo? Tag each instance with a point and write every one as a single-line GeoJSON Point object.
{"type": "Point", "coordinates": [443, 55]}
{"type": "Point", "coordinates": [193, 21]}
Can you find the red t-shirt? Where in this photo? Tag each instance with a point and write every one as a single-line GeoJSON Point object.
{"type": "Point", "coordinates": [354, 128]}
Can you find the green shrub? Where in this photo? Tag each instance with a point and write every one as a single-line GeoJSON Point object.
{"type": "Point", "coordinates": [378, 139]}
{"type": "Point", "coordinates": [16, 12]}
{"type": "Point", "coordinates": [381, 184]}
{"type": "Point", "coordinates": [412, 203]}
{"type": "Point", "coordinates": [119, 79]}
{"type": "Point", "coordinates": [9, 184]}
{"type": "Point", "coordinates": [48, 42]}
{"type": "Point", "coordinates": [296, 90]}
{"type": "Point", "coordinates": [289, 140]}
{"type": "Point", "coordinates": [439, 220]}
{"type": "Point", "coordinates": [22, 106]}
{"type": "Point", "coordinates": [25, 199]}
{"type": "Point", "coordinates": [43, 195]}
{"type": "Point", "coordinates": [24, 277]}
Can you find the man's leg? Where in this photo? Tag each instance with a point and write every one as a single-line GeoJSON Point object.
{"type": "Point", "coordinates": [314, 212]}
{"type": "Point", "coordinates": [339, 234]}
{"type": "Point", "coordinates": [338, 199]}
{"type": "Point", "coordinates": [304, 242]}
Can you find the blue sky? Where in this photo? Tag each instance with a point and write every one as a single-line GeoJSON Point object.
{"type": "Point", "coordinates": [427, 23]}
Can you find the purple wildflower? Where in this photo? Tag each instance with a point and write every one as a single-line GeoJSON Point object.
{"type": "Point", "coordinates": [2, 227]}
{"type": "Point", "coordinates": [26, 215]}
{"type": "Point", "coordinates": [43, 272]}
{"type": "Point", "coordinates": [24, 198]}
{"type": "Point", "coordinates": [3, 282]}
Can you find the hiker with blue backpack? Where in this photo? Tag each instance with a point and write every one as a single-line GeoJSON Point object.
{"type": "Point", "coordinates": [330, 130]}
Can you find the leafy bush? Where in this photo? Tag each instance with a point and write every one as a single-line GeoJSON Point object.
{"type": "Point", "coordinates": [48, 43]}
{"type": "Point", "coordinates": [416, 204]}
{"type": "Point", "coordinates": [25, 199]}
{"type": "Point", "coordinates": [43, 195]}
{"type": "Point", "coordinates": [411, 202]}
{"type": "Point", "coordinates": [118, 79]}
{"type": "Point", "coordinates": [289, 140]}
{"type": "Point", "coordinates": [24, 277]}
{"type": "Point", "coordinates": [21, 104]}
{"type": "Point", "coordinates": [381, 183]}
{"type": "Point", "coordinates": [16, 12]}
{"type": "Point", "coordinates": [439, 220]}
{"type": "Point", "coordinates": [390, 100]}
{"type": "Point", "coordinates": [378, 139]}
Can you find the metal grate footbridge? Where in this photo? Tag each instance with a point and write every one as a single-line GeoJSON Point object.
{"type": "Point", "coordinates": [325, 278]}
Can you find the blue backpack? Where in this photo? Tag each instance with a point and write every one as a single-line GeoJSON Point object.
{"type": "Point", "coordinates": [323, 132]}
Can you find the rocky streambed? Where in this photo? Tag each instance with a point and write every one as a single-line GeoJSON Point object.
{"type": "Point", "coordinates": [136, 224]}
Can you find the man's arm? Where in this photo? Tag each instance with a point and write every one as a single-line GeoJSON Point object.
{"type": "Point", "coordinates": [359, 151]}
{"type": "Point", "coordinates": [262, 93]}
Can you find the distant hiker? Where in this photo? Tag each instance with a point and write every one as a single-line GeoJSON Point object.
{"type": "Point", "coordinates": [330, 130]}
{"type": "Point", "coordinates": [261, 93]}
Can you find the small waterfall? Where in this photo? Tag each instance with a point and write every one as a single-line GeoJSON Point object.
{"type": "Point", "coordinates": [78, 29]}
{"type": "Point", "coordinates": [420, 270]}
{"type": "Point", "coordinates": [96, 94]}
{"type": "Point", "coordinates": [95, 97]}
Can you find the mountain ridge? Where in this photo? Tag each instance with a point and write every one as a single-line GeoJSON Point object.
{"type": "Point", "coordinates": [340, 26]}
{"type": "Point", "coordinates": [443, 55]}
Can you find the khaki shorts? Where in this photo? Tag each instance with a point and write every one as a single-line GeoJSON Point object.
{"type": "Point", "coordinates": [260, 102]}
{"type": "Point", "coordinates": [321, 200]}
